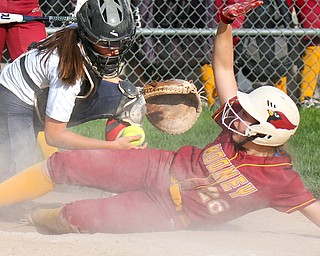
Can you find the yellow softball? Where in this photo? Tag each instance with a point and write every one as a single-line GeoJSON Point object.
{"type": "Point", "coordinates": [134, 130]}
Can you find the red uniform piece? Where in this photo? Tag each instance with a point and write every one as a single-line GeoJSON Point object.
{"type": "Point", "coordinates": [18, 36]}
{"type": "Point", "coordinates": [308, 15]}
{"type": "Point", "coordinates": [218, 183]}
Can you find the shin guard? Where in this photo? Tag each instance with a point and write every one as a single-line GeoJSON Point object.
{"type": "Point", "coordinates": [113, 129]}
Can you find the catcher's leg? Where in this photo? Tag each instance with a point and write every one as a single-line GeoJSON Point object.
{"type": "Point", "coordinates": [113, 129]}
{"type": "Point", "coordinates": [3, 33]}
{"type": "Point", "coordinates": [310, 72]}
{"type": "Point", "coordinates": [115, 171]}
{"type": "Point", "coordinates": [29, 184]}
{"type": "Point", "coordinates": [207, 79]}
{"type": "Point", "coordinates": [46, 150]}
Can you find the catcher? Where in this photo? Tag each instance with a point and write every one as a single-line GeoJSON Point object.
{"type": "Point", "coordinates": [243, 170]}
{"type": "Point", "coordinates": [60, 82]}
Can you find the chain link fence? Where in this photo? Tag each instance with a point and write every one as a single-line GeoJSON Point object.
{"type": "Point", "coordinates": [175, 41]}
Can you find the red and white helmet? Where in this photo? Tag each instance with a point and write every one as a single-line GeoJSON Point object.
{"type": "Point", "coordinates": [276, 114]}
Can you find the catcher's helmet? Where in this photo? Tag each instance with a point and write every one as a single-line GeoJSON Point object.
{"type": "Point", "coordinates": [276, 114]}
{"type": "Point", "coordinates": [106, 24]}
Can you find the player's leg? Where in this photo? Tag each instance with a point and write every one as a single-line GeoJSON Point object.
{"type": "Point", "coordinates": [207, 79]}
{"type": "Point", "coordinates": [282, 84]}
{"type": "Point", "coordinates": [129, 212]}
{"type": "Point", "coordinates": [111, 170]}
{"type": "Point", "coordinates": [52, 219]}
{"type": "Point", "coordinates": [22, 35]}
{"type": "Point", "coordinates": [29, 184]}
{"type": "Point", "coordinates": [2, 41]}
{"type": "Point", "coordinates": [310, 72]}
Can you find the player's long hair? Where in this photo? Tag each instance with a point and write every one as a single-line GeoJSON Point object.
{"type": "Point", "coordinates": [278, 151]}
{"type": "Point", "coordinates": [71, 62]}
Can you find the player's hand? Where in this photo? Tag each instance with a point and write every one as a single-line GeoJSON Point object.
{"type": "Point", "coordinates": [231, 12]}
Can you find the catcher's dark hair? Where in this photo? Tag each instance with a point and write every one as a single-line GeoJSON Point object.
{"type": "Point", "coordinates": [71, 62]}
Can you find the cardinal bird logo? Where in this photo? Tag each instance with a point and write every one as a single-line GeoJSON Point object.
{"type": "Point", "coordinates": [279, 120]}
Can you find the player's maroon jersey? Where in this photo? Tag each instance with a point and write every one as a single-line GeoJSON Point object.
{"type": "Point", "coordinates": [223, 183]}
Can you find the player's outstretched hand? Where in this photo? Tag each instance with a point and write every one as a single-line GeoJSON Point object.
{"type": "Point", "coordinates": [231, 12]}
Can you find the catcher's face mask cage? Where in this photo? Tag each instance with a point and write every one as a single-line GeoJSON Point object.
{"type": "Point", "coordinates": [276, 114]}
{"type": "Point", "coordinates": [106, 24]}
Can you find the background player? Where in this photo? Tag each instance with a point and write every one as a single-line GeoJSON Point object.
{"type": "Point", "coordinates": [243, 170]}
{"type": "Point", "coordinates": [18, 36]}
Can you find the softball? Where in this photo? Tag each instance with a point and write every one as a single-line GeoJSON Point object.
{"type": "Point", "coordinates": [134, 130]}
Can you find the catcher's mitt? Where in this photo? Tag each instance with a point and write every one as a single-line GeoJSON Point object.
{"type": "Point", "coordinates": [173, 106]}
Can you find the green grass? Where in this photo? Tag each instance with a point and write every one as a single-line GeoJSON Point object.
{"type": "Point", "coordinates": [304, 146]}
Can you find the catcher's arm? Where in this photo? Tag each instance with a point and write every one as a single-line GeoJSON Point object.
{"type": "Point", "coordinates": [223, 49]}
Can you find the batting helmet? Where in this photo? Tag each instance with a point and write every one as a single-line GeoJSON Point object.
{"type": "Point", "coordinates": [276, 114]}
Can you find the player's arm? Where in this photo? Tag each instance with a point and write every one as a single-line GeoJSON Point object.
{"type": "Point", "coordinates": [223, 49]}
{"type": "Point", "coordinates": [312, 212]}
{"type": "Point", "coordinates": [222, 63]}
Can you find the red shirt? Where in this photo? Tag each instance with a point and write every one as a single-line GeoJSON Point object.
{"type": "Point", "coordinates": [308, 13]}
{"type": "Point", "coordinates": [25, 7]}
{"type": "Point", "coordinates": [220, 183]}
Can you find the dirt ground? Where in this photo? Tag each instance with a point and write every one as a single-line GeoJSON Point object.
{"type": "Point", "coordinates": [266, 233]}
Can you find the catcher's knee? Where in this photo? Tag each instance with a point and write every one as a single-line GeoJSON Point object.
{"type": "Point", "coordinates": [113, 129]}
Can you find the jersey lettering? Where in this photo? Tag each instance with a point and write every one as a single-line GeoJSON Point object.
{"type": "Point", "coordinates": [234, 183]}
{"type": "Point", "coordinates": [244, 190]}
{"type": "Point", "coordinates": [225, 173]}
